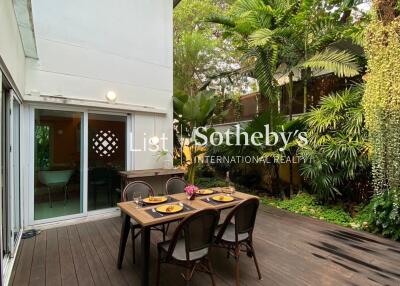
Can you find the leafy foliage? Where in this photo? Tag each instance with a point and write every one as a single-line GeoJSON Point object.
{"type": "Point", "coordinates": [338, 150]}
{"type": "Point", "coordinates": [381, 215]}
{"type": "Point", "coordinates": [341, 63]}
{"type": "Point", "coordinates": [384, 215]}
{"type": "Point", "coordinates": [191, 112]}
{"type": "Point", "coordinates": [308, 205]}
{"type": "Point", "coordinates": [290, 36]}
{"type": "Point", "coordinates": [200, 51]}
{"type": "Point", "coordinates": [382, 102]}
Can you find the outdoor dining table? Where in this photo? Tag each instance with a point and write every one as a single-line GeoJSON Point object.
{"type": "Point", "coordinates": [147, 218]}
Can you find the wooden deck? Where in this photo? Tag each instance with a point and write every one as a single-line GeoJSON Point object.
{"type": "Point", "coordinates": [291, 249]}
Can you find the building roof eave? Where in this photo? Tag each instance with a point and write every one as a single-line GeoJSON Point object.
{"type": "Point", "coordinates": [176, 2]}
{"type": "Point", "coordinates": [23, 14]}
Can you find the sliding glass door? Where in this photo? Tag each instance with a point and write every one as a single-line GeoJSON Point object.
{"type": "Point", "coordinates": [77, 159]}
{"type": "Point", "coordinates": [10, 171]}
{"type": "Point", "coordinates": [106, 157]}
{"type": "Point", "coordinates": [58, 166]}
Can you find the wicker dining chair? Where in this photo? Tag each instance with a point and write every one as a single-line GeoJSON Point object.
{"type": "Point", "coordinates": [175, 185]}
{"type": "Point", "coordinates": [144, 190]}
{"type": "Point", "coordinates": [238, 236]}
{"type": "Point", "coordinates": [190, 245]}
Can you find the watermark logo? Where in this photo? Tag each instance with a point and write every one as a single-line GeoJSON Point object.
{"type": "Point", "coordinates": [266, 138]}
{"type": "Point", "coordinates": [236, 136]}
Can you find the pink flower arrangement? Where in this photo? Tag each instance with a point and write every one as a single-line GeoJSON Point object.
{"type": "Point", "coordinates": [190, 190]}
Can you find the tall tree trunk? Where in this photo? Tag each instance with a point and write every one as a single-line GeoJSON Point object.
{"type": "Point", "coordinates": [282, 192]}
{"type": "Point", "coordinates": [290, 93]}
{"type": "Point", "coordinates": [291, 187]}
{"type": "Point", "coordinates": [306, 74]}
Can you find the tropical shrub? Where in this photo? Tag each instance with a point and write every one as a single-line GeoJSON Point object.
{"type": "Point", "coordinates": [384, 214]}
{"type": "Point", "coordinates": [191, 112]}
{"type": "Point", "coordinates": [337, 152]}
{"type": "Point", "coordinates": [210, 182]}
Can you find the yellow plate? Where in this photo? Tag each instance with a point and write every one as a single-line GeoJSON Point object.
{"type": "Point", "coordinates": [169, 209]}
{"type": "Point", "coordinates": [223, 199]}
{"type": "Point", "coordinates": [205, 192]}
{"type": "Point", "coordinates": [155, 200]}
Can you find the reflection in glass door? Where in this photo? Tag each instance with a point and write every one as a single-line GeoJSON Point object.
{"type": "Point", "coordinates": [106, 152]}
{"type": "Point", "coordinates": [58, 163]}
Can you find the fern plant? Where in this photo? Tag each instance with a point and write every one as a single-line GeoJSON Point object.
{"type": "Point", "coordinates": [338, 149]}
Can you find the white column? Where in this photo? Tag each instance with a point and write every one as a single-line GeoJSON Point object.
{"type": "Point", "coordinates": [1, 183]}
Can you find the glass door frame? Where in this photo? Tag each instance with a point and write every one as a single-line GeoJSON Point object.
{"type": "Point", "coordinates": [29, 195]}
{"type": "Point", "coordinates": [10, 161]}
{"type": "Point", "coordinates": [11, 242]}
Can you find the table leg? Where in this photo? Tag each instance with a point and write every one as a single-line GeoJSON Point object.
{"type": "Point", "coordinates": [145, 256]}
{"type": "Point", "coordinates": [124, 237]}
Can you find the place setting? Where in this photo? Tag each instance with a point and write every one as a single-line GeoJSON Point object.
{"type": "Point", "coordinates": [152, 200]}
{"type": "Point", "coordinates": [168, 209]}
{"type": "Point", "coordinates": [220, 199]}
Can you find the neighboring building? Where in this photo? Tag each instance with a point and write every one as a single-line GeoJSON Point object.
{"type": "Point", "coordinates": [82, 82]}
{"type": "Point", "coordinates": [252, 104]}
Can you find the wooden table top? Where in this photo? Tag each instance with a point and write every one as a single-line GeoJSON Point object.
{"type": "Point", "coordinates": [151, 173]}
{"type": "Point", "coordinates": [145, 219]}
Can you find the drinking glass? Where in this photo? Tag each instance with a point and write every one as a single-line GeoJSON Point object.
{"type": "Point", "coordinates": [136, 199]}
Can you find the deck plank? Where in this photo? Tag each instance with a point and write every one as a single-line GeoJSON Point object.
{"type": "Point", "coordinates": [106, 257]}
{"type": "Point", "coordinates": [291, 250]}
{"type": "Point", "coordinates": [23, 270]}
{"type": "Point", "coordinates": [94, 262]}
{"type": "Point", "coordinates": [82, 270]}
{"type": "Point", "coordinates": [38, 270]}
{"type": "Point", "coordinates": [53, 271]}
{"type": "Point", "coordinates": [68, 275]}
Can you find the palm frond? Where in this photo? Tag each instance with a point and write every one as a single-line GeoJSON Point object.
{"type": "Point", "coordinates": [264, 71]}
{"type": "Point", "coordinates": [221, 19]}
{"type": "Point", "coordinates": [260, 37]}
{"type": "Point", "coordinates": [341, 63]}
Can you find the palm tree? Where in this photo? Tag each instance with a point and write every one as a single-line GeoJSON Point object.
{"type": "Point", "coordinates": [295, 35]}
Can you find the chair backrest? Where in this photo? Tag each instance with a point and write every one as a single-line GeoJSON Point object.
{"type": "Point", "coordinates": [245, 217]}
{"type": "Point", "coordinates": [61, 177]}
{"type": "Point", "coordinates": [197, 230]}
{"type": "Point", "coordinates": [137, 188]}
{"type": "Point", "coordinates": [175, 185]}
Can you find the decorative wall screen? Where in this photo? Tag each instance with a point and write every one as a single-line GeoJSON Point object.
{"type": "Point", "coordinates": [105, 143]}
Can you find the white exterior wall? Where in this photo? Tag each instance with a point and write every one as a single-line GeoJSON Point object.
{"type": "Point", "coordinates": [11, 49]}
{"type": "Point", "coordinates": [86, 48]}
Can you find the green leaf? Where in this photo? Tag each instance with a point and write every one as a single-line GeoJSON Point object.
{"type": "Point", "coordinates": [341, 63]}
{"type": "Point", "coordinates": [260, 37]}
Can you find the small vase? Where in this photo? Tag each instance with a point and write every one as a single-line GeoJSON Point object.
{"type": "Point", "coordinates": [192, 197]}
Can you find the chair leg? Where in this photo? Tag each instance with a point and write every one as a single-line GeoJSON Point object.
{"type": "Point", "coordinates": [210, 269]}
{"type": "Point", "coordinates": [133, 244]}
{"type": "Point", "coordinates": [163, 232]}
{"type": "Point", "coordinates": [237, 269]}
{"type": "Point", "coordinates": [188, 276]}
{"type": "Point", "coordinates": [255, 261]}
{"type": "Point", "coordinates": [158, 269]}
